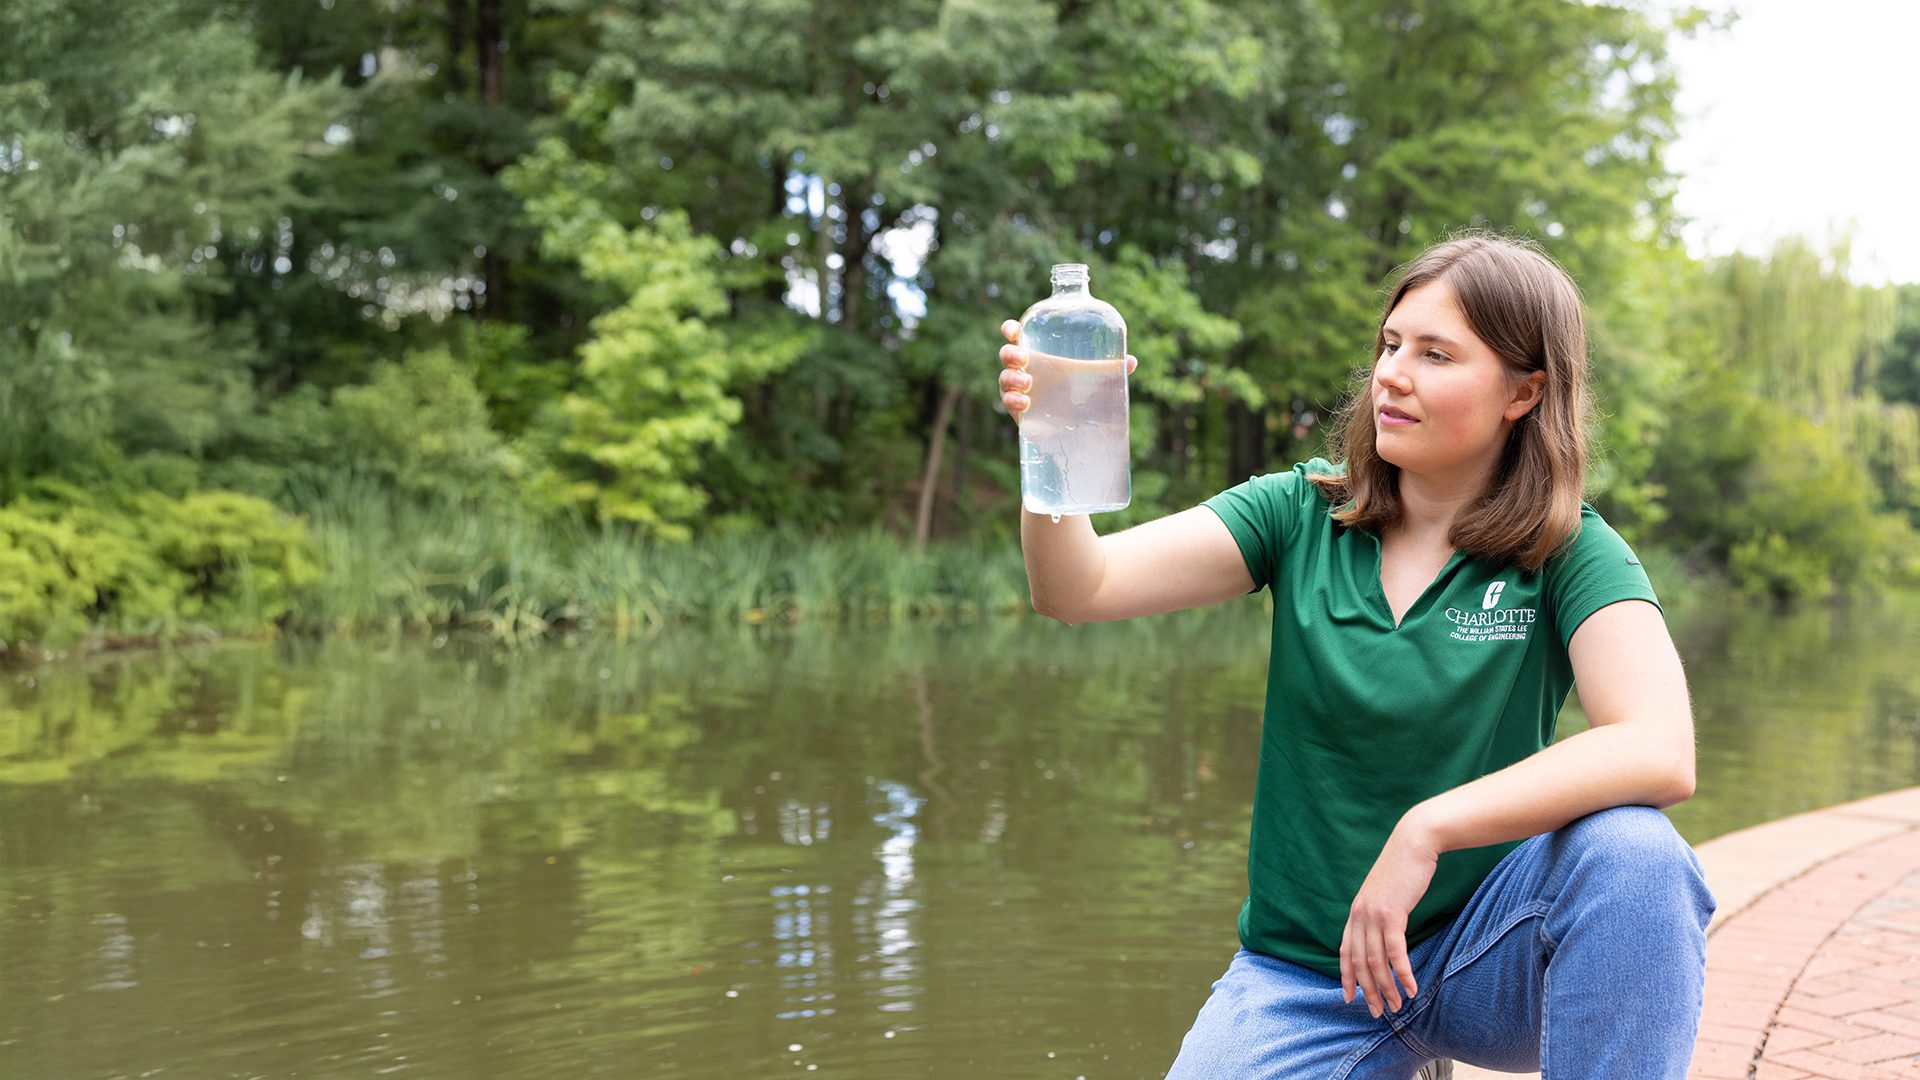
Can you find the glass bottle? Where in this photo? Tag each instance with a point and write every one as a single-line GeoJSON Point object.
{"type": "Point", "coordinates": [1073, 434]}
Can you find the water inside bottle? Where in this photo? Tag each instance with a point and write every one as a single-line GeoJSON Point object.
{"type": "Point", "coordinates": [1073, 439]}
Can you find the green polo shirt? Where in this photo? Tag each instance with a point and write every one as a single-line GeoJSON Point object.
{"type": "Point", "coordinates": [1364, 719]}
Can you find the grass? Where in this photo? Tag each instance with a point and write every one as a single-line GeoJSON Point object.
{"type": "Point", "coordinates": [392, 564]}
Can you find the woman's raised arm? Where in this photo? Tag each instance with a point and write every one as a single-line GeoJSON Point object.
{"type": "Point", "coordinates": [1183, 560]}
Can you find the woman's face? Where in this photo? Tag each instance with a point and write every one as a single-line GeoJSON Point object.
{"type": "Point", "coordinates": [1442, 400]}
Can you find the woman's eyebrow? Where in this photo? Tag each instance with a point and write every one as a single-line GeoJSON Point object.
{"type": "Point", "coordinates": [1434, 338]}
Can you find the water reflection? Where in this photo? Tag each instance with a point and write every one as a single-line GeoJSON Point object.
{"type": "Point", "coordinates": [115, 953]}
{"type": "Point", "coordinates": [891, 898]}
{"type": "Point", "coordinates": [793, 927]}
{"type": "Point", "coordinates": [1001, 849]}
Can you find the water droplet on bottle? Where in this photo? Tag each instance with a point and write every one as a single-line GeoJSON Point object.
{"type": "Point", "coordinates": [1056, 519]}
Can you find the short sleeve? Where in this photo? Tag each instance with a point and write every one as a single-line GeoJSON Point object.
{"type": "Point", "coordinates": [1264, 514]}
{"type": "Point", "coordinates": [1597, 569]}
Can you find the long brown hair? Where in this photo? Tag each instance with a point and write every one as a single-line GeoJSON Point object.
{"type": "Point", "coordinates": [1525, 306]}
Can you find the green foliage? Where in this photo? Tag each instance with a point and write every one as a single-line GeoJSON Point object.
{"type": "Point", "coordinates": [420, 424]}
{"type": "Point", "coordinates": [1889, 432]}
{"type": "Point", "coordinates": [1638, 348]}
{"type": "Point", "coordinates": [137, 137]}
{"type": "Point", "coordinates": [1168, 321]}
{"type": "Point", "coordinates": [1899, 367]}
{"type": "Point", "coordinates": [1805, 331]}
{"type": "Point", "coordinates": [61, 568]}
{"type": "Point", "coordinates": [652, 382]}
{"type": "Point", "coordinates": [1767, 461]}
{"type": "Point", "coordinates": [423, 425]}
{"type": "Point", "coordinates": [240, 557]}
{"type": "Point", "coordinates": [394, 563]}
{"type": "Point", "coordinates": [145, 564]}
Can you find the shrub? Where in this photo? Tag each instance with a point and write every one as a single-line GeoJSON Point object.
{"type": "Point", "coordinates": [71, 564]}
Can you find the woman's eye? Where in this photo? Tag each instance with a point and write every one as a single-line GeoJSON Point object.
{"type": "Point", "coordinates": [1390, 347]}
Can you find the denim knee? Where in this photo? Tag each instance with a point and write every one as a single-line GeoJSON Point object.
{"type": "Point", "coordinates": [1638, 847]}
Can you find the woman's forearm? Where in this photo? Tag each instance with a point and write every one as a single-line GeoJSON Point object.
{"type": "Point", "coordinates": [1064, 562]}
{"type": "Point", "coordinates": [1618, 764]}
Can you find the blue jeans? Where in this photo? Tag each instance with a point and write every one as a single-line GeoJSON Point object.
{"type": "Point", "coordinates": [1583, 954]}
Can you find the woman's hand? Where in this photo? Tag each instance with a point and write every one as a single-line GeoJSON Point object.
{"type": "Point", "coordinates": [1014, 380]}
{"type": "Point", "coordinates": [1374, 948]}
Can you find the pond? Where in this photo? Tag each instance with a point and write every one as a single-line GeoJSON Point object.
{"type": "Point", "coordinates": [1004, 848]}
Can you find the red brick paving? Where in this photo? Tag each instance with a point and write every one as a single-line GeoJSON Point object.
{"type": "Point", "coordinates": [1819, 977]}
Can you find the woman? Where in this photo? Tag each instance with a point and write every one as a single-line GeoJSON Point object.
{"type": "Point", "coordinates": [1418, 840]}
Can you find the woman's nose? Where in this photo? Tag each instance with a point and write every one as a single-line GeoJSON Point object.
{"type": "Point", "coordinates": [1388, 374]}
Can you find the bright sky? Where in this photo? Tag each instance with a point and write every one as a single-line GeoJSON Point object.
{"type": "Point", "coordinates": [1800, 120]}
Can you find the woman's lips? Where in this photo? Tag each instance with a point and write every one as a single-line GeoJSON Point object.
{"type": "Point", "coordinates": [1394, 417]}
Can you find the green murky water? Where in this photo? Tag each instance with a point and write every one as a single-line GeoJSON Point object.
{"type": "Point", "coordinates": [1005, 849]}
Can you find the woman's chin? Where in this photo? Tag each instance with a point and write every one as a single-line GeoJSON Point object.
{"type": "Point", "coordinates": [1385, 451]}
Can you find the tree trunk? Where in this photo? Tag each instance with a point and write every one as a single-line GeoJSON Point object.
{"type": "Point", "coordinates": [487, 56]}
{"type": "Point", "coordinates": [456, 44]}
{"type": "Point", "coordinates": [963, 442]}
{"type": "Point", "coordinates": [930, 477]}
{"type": "Point", "coordinates": [929, 776]}
{"type": "Point", "coordinates": [853, 289]}
{"type": "Point", "coordinates": [775, 289]}
{"type": "Point", "coordinates": [759, 403]}
{"type": "Point", "coordinates": [1246, 441]}
{"type": "Point", "coordinates": [853, 265]}
{"type": "Point", "coordinates": [1181, 440]}
{"type": "Point", "coordinates": [843, 415]}
{"type": "Point", "coordinates": [486, 37]}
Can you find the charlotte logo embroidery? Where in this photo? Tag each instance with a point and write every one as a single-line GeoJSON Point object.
{"type": "Point", "coordinates": [1492, 622]}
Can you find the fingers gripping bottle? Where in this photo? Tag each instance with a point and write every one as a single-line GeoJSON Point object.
{"type": "Point", "coordinates": [1073, 434]}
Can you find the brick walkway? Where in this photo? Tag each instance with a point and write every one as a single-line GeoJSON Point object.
{"type": "Point", "coordinates": [1819, 976]}
{"type": "Point", "coordinates": [1813, 958]}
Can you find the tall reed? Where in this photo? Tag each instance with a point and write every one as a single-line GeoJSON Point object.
{"type": "Point", "coordinates": [392, 563]}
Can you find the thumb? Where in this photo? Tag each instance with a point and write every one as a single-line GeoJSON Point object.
{"type": "Point", "coordinates": [1132, 362]}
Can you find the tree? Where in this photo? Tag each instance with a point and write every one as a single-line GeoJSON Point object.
{"type": "Point", "coordinates": [1773, 443]}
{"type": "Point", "coordinates": [1898, 368]}
{"type": "Point", "coordinates": [136, 139]}
{"type": "Point", "coordinates": [651, 391]}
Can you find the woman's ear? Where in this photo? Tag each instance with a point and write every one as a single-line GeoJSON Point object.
{"type": "Point", "coordinates": [1527, 394]}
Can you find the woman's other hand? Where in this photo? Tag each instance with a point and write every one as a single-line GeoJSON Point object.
{"type": "Point", "coordinates": [1373, 952]}
{"type": "Point", "coordinates": [1014, 380]}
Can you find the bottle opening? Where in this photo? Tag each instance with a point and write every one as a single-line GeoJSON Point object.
{"type": "Point", "coordinates": [1069, 274]}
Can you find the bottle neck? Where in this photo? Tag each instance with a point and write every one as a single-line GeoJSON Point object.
{"type": "Point", "coordinates": [1068, 278]}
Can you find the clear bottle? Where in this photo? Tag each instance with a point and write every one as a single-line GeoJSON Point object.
{"type": "Point", "coordinates": [1073, 434]}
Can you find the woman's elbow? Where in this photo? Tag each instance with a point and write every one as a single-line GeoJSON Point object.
{"type": "Point", "coordinates": [1680, 782]}
{"type": "Point", "coordinates": [1683, 787]}
{"type": "Point", "coordinates": [1051, 610]}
